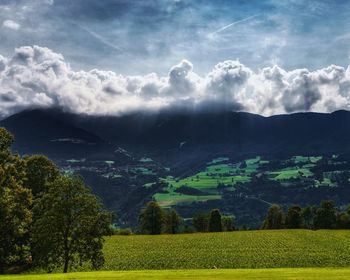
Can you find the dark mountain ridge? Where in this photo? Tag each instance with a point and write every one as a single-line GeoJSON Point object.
{"type": "Point", "coordinates": [168, 132]}
{"type": "Point", "coordinates": [38, 131]}
{"type": "Point", "coordinates": [123, 158]}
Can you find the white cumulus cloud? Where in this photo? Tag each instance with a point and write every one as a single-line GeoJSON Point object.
{"type": "Point", "coordinates": [38, 77]}
{"type": "Point", "coordinates": [10, 24]}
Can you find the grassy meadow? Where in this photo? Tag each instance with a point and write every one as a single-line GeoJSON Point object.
{"type": "Point", "coordinates": [264, 254]}
{"type": "Point", "coordinates": [219, 274]}
{"type": "Point", "coordinates": [239, 249]}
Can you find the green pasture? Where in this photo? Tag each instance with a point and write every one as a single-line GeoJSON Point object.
{"type": "Point", "coordinates": [211, 274]}
{"type": "Point", "coordinates": [238, 249]}
{"type": "Point", "coordinates": [264, 254]}
{"type": "Point", "coordinates": [290, 173]}
{"type": "Point", "coordinates": [216, 173]}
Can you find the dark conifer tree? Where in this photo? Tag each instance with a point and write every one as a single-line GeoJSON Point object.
{"type": "Point", "coordinates": [274, 218]}
{"type": "Point", "coordinates": [215, 224]}
{"type": "Point", "coordinates": [294, 218]}
{"type": "Point", "coordinates": [151, 219]}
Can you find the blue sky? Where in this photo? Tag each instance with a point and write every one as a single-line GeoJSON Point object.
{"type": "Point", "coordinates": [139, 37]}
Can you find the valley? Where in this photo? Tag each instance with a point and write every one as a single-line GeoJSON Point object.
{"type": "Point", "coordinates": [196, 161]}
{"type": "Point", "coordinates": [259, 181]}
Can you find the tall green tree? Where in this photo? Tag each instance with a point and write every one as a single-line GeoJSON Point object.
{"type": "Point", "coordinates": [40, 171]}
{"type": "Point", "coordinates": [15, 204]}
{"type": "Point", "coordinates": [6, 140]}
{"type": "Point", "coordinates": [172, 221]}
{"type": "Point", "coordinates": [69, 226]}
{"type": "Point", "coordinates": [294, 218]}
{"type": "Point", "coordinates": [342, 220]}
{"type": "Point", "coordinates": [308, 215]}
{"type": "Point", "coordinates": [227, 223]}
{"type": "Point", "coordinates": [215, 224]}
{"type": "Point", "coordinates": [274, 218]}
{"type": "Point", "coordinates": [200, 222]}
{"type": "Point", "coordinates": [325, 217]}
{"type": "Point", "coordinates": [151, 219]}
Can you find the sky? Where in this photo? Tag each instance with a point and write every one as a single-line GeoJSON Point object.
{"type": "Point", "coordinates": [114, 56]}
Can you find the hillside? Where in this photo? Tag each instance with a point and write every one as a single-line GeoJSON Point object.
{"type": "Point", "coordinates": [195, 160]}
{"type": "Point", "coordinates": [39, 132]}
{"type": "Point", "coordinates": [174, 131]}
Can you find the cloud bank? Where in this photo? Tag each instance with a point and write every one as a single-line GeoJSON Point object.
{"type": "Point", "coordinates": [38, 77]}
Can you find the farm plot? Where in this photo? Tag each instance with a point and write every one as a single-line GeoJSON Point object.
{"type": "Point", "coordinates": [244, 249]}
{"type": "Point", "coordinates": [216, 174]}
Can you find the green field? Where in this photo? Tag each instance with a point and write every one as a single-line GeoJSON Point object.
{"type": "Point", "coordinates": [290, 173]}
{"type": "Point", "coordinates": [216, 172]}
{"type": "Point", "coordinates": [172, 198]}
{"type": "Point", "coordinates": [261, 254]}
{"type": "Point", "coordinates": [239, 249]}
{"type": "Point", "coordinates": [223, 174]}
{"type": "Point", "coordinates": [303, 159]}
{"type": "Point", "coordinates": [217, 274]}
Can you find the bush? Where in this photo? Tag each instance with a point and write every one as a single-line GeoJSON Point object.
{"type": "Point", "coordinates": [124, 231]}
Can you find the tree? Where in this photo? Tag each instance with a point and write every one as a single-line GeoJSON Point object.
{"type": "Point", "coordinates": [308, 215]}
{"type": "Point", "coordinates": [151, 219]}
{"type": "Point", "coordinates": [69, 226]}
{"type": "Point", "coordinates": [325, 217]}
{"type": "Point", "coordinates": [343, 220]}
{"type": "Point", "coordinates": [227, 223]}
{"type": "Point", "coordinates": [15, 204]}
{"type": "Point", "coordinates": [6, 140]}
{"type": "Point", "coordinates": [274, 218]}
{"type": "Point", "coordinates": [39, 172]}
{"type": "Point", "coordinates": [172, 221]}
{"type": "Point", "coordinates": [215, 224]}
{"type": "Point", "coordinates": [294, 218]}
{"type": "Point", "coordinates": [200, 222]}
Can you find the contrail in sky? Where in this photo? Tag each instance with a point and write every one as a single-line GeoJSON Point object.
{"type": "Point", "coordinates": [100, 38]}
{"type": "Point", "coordinates": [232, 24]}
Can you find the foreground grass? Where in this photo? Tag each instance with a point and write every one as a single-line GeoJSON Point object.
{"type": "Point", "coordinates": [240, 249]}
{"type": "Point", "coordinates": [305, 273]}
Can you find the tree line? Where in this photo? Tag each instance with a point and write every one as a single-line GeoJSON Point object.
{"type": "Point", "coordinates": [155, 220]}
{"type": "Point", "coordinates": [47, 219]}
{"type": "Point", "coordinates": [324, 216]}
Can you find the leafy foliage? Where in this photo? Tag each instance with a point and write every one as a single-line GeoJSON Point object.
{"type": "Point", "coordinates": [15, 204]}
{"type": "Point", "coordinates": [215, 224]}
{"type": "Point", "coordinates": [274, 218]}
{"type": "Point", "coordinates": [172, 221]}
{"type": "Point", "coordinates": [200, 222]}
{"type": "Point", "coordinates": [294, 218]}
{"type": "Point", "coordinates": [69, 226]}
{"type": "Point", "coordinates": [63, 224]}
{"type": "Point", "coordinates": [151, 219]}
{"type": "Point", "coordinates": [227, 223]}
{"type": "Point", "coordinates": [40, 171]}
{"type": "Point", "coordinates": [325, 215]}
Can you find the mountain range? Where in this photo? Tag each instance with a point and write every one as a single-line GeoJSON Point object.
{"type": "Point", "coordinates": [110, 151]}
